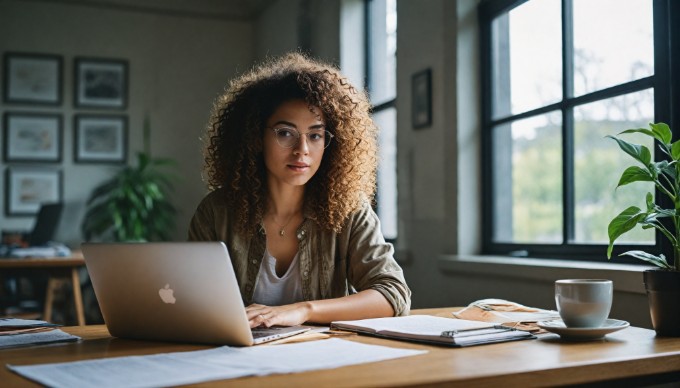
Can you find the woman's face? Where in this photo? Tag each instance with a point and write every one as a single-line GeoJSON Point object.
{"type": "Point", "coordinates": [290, 159]}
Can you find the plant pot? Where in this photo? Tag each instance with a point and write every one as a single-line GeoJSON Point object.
{"type": "Point", "coordinates": [663, 293]}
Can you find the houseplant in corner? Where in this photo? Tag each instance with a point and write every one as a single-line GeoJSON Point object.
{"type": "Point", "coordinates": [662, 283]}
{"type": "Point", "coordinates": [133, 205]}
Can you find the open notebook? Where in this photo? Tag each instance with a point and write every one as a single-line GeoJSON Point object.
{"type": "Point", "coordinates": [173, 291]}
{"type": "Point", "coordinates": [434, 330]}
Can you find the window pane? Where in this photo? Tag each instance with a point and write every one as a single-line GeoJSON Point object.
{"type": "Point", "coordinates": [599, 163]}
{"type": "Point", "coordinates": [613, 43]}
{"type": "Point", "coordinates": [527, 169]}
{"type": "Point", "coordinates": [383, 52]}
{"type": "Point", "coordinates": [386, 120]}
{"type": "Point", "coordinates": [527, 57]}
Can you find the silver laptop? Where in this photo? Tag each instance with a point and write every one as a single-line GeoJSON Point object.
{"type": "Point", "coordinates": [173, 291]}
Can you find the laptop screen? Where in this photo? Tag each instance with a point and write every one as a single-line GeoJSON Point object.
{"type": "Point", "coordinates": [45, 224]}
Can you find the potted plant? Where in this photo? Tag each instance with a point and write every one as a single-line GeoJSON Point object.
{"type": "Point", "coordinates": [663, 283]}
{"type": "Point", "coordinates": [133, 205]}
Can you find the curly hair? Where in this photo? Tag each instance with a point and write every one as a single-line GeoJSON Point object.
{"type": "Point", "coordinates": [234, 140]}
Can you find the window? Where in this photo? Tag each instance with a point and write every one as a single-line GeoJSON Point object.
{"type": "Point", "coordinates": [381, 74]}
{"type": "Point", "coordinates": [557, 77]}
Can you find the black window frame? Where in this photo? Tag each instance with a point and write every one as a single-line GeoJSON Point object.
{"type": "Point", "coordinates": [666, 109]}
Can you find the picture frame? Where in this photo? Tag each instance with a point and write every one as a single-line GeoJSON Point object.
{"type": "Point", "coordinates": [32, 137]}
{"type": "Point", "coordinates": [100, 138]}
{"type": "Point", "coordinates": [26, 189]}
{"type": "Point", "coordinates": [100, 83]}
{"type": "Point", "coordinates": [31, 78]}
{"type": "Point", "coordinates": [421, 99]}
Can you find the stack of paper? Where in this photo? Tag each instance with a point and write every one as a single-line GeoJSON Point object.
{"type": "Point", "coordinates": [18, 332]}
{"type": "Point", "coordinates": [508, 313]}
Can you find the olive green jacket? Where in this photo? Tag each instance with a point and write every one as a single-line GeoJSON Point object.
{"type": "Point", "coordinates": [332, 264]}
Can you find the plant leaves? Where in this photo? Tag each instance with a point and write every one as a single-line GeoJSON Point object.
{"type": "Point", "coordinates": [634, 174]}
{"type": "Point", "coordinates": [659, 261]}
{"type": "Point", "coordinates": [623, 223]}
{"type": "Point", "coordinates": [675, 150]}
{"type": "Point", "coordinates": [133, 205]}
{"type": "Point", "coordinates": [662, 132]}
{"type": "Point", "coordinates": [638, 152]}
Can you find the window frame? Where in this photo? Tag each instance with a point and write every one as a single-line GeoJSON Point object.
{"type": "Point", "coordinates": [666, 53]}
{"type": "Point", "coordinates": [368, 81]}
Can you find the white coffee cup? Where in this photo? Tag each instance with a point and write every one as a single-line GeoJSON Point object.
{"type": "Point", "coordinates": [584, 302]}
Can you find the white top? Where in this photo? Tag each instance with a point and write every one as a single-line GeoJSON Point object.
{"type": "Point", "coordinates": [271, 290]}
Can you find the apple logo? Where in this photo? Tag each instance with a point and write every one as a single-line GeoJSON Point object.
{"type": "Point", "coordinates": [166, 294]}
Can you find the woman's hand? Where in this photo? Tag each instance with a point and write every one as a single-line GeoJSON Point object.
{"type": "Point", "coordinates": [286, 315]}
{"type": "Point", "coordinates": [362, 305]}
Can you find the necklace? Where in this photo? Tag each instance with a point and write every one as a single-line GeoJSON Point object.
{"type": "Point", "coordinates": [282, 230]}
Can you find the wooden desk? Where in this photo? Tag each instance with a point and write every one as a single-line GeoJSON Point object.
{"type": "Point", "coordinates": [56, 267]}
{"type": "Point", "coordinates": [628, 357]}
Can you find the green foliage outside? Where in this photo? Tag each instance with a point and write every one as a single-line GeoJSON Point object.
{"type": "Point", "coordinates": [537, 184]}
{"type": "Point", "coordinates": [133, 205]}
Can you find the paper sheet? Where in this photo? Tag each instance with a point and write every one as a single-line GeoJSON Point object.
{"type": "Point", "coordinates": [44, 337]}
{"type": "Point", "coordinates": [205, 365]}
{"type": "Point", "coordinates": [508, 313]}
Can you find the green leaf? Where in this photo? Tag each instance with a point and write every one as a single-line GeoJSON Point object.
{"type": "Point", "coordinates": [623, 223]}
{"type": "Point", "coordinates": [659, 261]}
{"type": "Point", "coordinates": [664, 167]}
{"type": "Point", "coordinates": [662, 132]}
{"type": "Point", "coordinates": [649, 200]}
{"type": "Point", "coordinates": [634, 174]}
{"type": "Point", "coordinates": [638, 152]}
{"type": "Point", "coordinates": [675, 150]}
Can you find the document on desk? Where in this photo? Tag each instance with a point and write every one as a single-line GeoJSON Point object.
{"type": "Point", "coordinates": [434, 330]}
{"type": "Point", "coordinates": [225, 362]}
{"type": "Point", "coordinates": [36, 338]}
{"type": "Point", "coordinates": [18, 332]}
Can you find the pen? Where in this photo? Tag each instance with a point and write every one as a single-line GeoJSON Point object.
{"type": "Point", "coordinates": [453, 333]}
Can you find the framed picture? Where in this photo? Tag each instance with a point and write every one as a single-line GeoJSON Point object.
{"type": "Point", "coordinates": [100, 83]}
{"type": "Point", "coordinates": [26, 189]}
{"type": "Point", "coordinates": [100, 139]}
{"type": "Point", "coordinates": [32, 78]}
{"type": "Point", "coordinates": [421, 99]}
{"type": "Point", "coordinates": [32, 137]}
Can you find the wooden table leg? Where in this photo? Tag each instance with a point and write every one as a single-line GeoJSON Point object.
{"type": "Point", "coordinates": [77, 297]}
{"type": "Point", "coordinates": [52, 285]}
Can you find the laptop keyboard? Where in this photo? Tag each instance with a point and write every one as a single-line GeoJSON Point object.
{"type": "Point", "coordinates": [261, 332]}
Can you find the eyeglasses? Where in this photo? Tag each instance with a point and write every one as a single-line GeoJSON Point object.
{"type": "Point", "coordinates": [289, 137]}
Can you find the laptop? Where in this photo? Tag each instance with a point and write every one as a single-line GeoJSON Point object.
{"type": "Point", "coordinates": [173, 291]}
{"type": "Point", "coordinates": [46, 224]}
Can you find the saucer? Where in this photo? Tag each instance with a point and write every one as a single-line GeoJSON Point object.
{"type": "Point", "coordinates": [582, 333]}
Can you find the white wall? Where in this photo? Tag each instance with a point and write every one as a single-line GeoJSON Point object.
{"type": "Point", "coordinates": [177, 64]}
{"type": "Point", "coordinates": [426, 157]}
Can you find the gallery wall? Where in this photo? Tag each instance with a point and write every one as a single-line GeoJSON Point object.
{"type": "Point", "coordinates": [177, 65]}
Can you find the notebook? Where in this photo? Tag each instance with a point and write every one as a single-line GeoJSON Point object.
{"type": "Point", "coordinates": [173, 291]}
{"type": "Point", "coordinates": [434, 330]}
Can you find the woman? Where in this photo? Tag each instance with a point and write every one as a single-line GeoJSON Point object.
{"type": "Point", "coordinates": [290, 158]}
